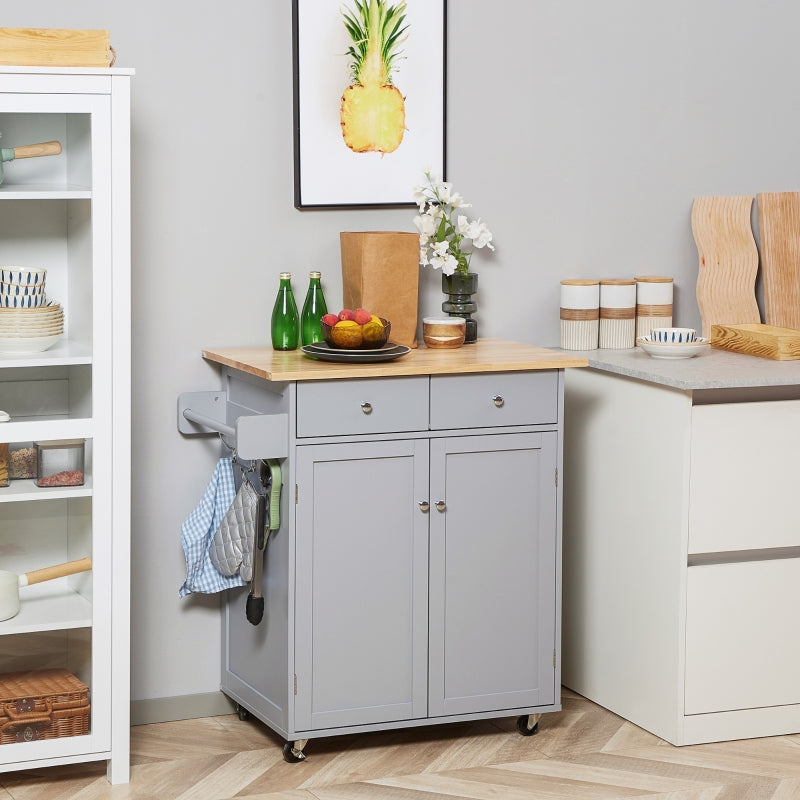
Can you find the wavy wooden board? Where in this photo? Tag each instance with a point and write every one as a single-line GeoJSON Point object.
{"type": "Point", "coordinates": [728, 258]}
{"type": "Point", "coordinates": [779, 226]}
{"type": "Point", "coordinates": [765, 341]}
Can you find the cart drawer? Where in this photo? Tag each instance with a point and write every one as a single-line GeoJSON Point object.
{"type": "Point", "coordinates": [384, 405]}
{"type": "Point", "coordinates": [497, 398]}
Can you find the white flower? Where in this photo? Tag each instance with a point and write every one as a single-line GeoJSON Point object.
{"type": "Point", "coordinates": [483, 237]}
{"type": "Point", "coordinates": [446, 263]}
{"type": "Point", "coordinates": [423, 256]}
{"type": "Point", "coordinates": [420, 198]}
{"type": "Point", "coordinates": [426, 224]}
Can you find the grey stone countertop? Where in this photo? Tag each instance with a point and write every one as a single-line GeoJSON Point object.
{"type": "Point", "coordinates": [711, 369]}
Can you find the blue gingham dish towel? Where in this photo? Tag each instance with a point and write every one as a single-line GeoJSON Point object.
{"type": "Point", "coordinates": [199, 529]}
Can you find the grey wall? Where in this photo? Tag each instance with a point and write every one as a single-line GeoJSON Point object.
{"type": "Point", "coordinates": [580, 131]}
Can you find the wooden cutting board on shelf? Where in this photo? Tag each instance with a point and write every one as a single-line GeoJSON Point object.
{"type": "Point", "coordinates": [728, 258]}
{"type": "Point", "coordinates": [779, 226]}
{"type": "Point", "coordinates": [765, 341]}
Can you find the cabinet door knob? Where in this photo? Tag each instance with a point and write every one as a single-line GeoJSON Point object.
{"type": "Point", "coordinates": [424, 505]}
{"type": "Point", "coordinates": [440, 505]}
{"type": "Point", "coordinates": [498, 400]}
{"type": "Point", "coordinates": [366, 407]}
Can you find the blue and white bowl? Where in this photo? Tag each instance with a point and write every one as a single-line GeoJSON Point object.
{"type": "Point", "coordinates": [24, 276]}
{"type": "Point", "coordinates": [23, 300]}
{"type": "Point", "coordinates": [18, 289]}
{"type": "Point", "coordinates": [674, 335]}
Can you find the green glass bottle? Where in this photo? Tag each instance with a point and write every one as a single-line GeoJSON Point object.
{"type": "Point", "coordinates": [314, 309]}
{"type": "Point", "coordinates": [285, 320]}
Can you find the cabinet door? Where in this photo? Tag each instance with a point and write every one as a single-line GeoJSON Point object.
{"type": "Point", "coordinates": [492, 572]}
{"type": "Point", "coordinates": [361, 598]}
{"type": "Point", "coordinates": [742, 649]}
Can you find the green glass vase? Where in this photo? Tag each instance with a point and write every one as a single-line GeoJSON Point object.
{"type": "Point", "coordinates": [459, 289]}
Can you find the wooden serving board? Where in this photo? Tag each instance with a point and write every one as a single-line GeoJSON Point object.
{"type": "Point", "coordinates": [779, 226]}
{"type": "Point", "coordinates": [764, 341]}
{"type": "Point", "coordinates": [728, 255]}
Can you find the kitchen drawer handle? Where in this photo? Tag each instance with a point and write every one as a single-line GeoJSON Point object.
{"type": "Point", "coordinates": [424, 506]}
{"type": "Point", "coordinates": [498, 400]}
{"type": "Point", "coordinates": [366, 407]}
{"type": "Point", "coordinates": [440, 505]}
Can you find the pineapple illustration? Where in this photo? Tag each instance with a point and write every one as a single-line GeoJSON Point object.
{"type": "Point", "coordinates": [373, 114]}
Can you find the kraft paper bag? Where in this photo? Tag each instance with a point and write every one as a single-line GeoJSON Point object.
{"type": "Point", "coordinates": [380, 272]}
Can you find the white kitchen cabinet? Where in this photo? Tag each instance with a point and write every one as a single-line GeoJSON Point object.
{"type": "Point", "coordinates": [415, 578]}
{"type": "Point", "coordinates": [682, 543]}
{"type": "Point", "coordinates": [70, 214]}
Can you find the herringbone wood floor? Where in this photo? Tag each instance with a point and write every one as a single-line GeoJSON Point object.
{"type": "Point", "coordinates": [582, 752]}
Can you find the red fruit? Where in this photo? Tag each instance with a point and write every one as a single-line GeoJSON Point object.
{"type": "Point", "coordinates": [346, 313]}
{"type": "Point", "coordinates": [362, 316]}
{"type": "Point", "coordinates": [330, 319]}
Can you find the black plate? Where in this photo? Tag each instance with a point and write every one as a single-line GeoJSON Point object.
{"type": "Point", "coordinates": [324, 347]}
{"type": "Point", "coordinates": [324, 353]}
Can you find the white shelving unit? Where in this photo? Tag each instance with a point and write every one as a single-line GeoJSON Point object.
{"type": "Point", "coordinates": [71, 215]}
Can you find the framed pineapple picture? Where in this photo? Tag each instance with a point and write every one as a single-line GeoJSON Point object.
{"type": "Point", "coordinates": [369, 100]}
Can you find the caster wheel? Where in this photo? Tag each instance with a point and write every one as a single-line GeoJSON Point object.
{"type": "Point", "coordinates": [291, 754]}
{"type": "Point", "coordinates": [522, 726]}
{"type": "Point", "coordinates": [243, 713]}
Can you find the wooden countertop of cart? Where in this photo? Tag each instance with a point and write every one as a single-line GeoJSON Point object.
{"type": "Point", "coordinates": [485, 355]}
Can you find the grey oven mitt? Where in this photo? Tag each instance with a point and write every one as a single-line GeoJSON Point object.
{"type": "Point", "coordinates": [231, 549]}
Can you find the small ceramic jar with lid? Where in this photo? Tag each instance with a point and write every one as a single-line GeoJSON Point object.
{"type": "Point", "coordinates": [617, 313]}
{"type": "Point", "coordinates": [444, 332]}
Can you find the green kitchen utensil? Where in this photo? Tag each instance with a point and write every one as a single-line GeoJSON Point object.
{"type": "Point", "coordinates": [272, 480]}
{"type": "Point", "coordinates": [28, 151]}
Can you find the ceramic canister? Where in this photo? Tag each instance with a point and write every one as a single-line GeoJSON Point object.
{"type": "Point", "coordinates": [580, 314]}
{"type": "Point", "coordinates": [653, 303]}
{"type": "Point", "coordinates": [617, 313]}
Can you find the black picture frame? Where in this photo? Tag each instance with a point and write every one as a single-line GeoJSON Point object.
{"type": "Point", "coordinates": [327, 172]}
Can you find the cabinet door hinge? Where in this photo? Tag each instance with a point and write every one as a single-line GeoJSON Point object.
{"type": "Point", "coordinates": [556, 475]}
{"type": "Point", "coordinates": [295, 684]}
{"type": "Point", "coordinates": [296, 494]}
{"type": "Point", "coordinates": [554, 666]}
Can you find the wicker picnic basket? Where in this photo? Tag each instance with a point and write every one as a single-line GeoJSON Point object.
{"type": "Point", "coordinates": [42, 704]}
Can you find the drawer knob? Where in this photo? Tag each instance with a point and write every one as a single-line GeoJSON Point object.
{"type": "Point", "coordinates": [424, 506]}
{"type": "Point", "coordinates": [366, 407]}
{"type": "Point", "coordinates": [498, 400]}
{"type": "Point", "coordinates": [440, 505]}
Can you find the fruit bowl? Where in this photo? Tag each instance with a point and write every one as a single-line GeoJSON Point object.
{"type": "Point", "coordinates": [351, 336]}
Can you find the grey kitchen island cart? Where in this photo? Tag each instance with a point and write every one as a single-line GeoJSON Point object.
{"type": "Point", "coordinates": [415, 578]}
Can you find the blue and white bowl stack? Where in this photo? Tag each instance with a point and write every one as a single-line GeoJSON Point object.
{"type": "Point", "coordinates": [29, 323]}
{"type": "Point", "coordinates": [21, 287]}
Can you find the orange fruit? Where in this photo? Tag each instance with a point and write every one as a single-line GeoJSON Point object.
{"type": "Point", "coordinates": [346, 334]}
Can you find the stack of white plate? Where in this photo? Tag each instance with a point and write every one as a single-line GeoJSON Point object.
{"type": "Point", "coordinates": [30, 330]}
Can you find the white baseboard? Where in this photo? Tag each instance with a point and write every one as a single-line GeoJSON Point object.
{"type": "Point", "coordinates": [189, 706]}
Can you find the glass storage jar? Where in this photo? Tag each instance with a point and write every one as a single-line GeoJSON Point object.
{"type": "Point", "coordinates": [60, 462]}
{"type": "Point", "coordinates": [21, 460]}
{"type": "Point", "coordinates": [4, 454]}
